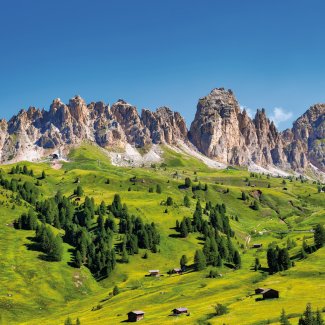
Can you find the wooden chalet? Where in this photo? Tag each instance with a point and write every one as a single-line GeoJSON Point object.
{"type": "Point", "coordinates": [257, 245]}
{"type": "Point", "coordinates": [270, 294]}
{"type": "Point", "coordinates": [177, 271]}
{"type": "Point", "coordinates": [180, 310]}
{"type": "Point", "coordinates": [154, 273]}
{"type": "Point", "coordinates": [135, 315]}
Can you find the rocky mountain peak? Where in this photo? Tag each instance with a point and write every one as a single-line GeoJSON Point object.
{"type": "Point", "coordinates": [78, 109]}
{"type": "Point", "coordinates": [220, 130]}
{"type": "Point", "coordinates": [164, 125]}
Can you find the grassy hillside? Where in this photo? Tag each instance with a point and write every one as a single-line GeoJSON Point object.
{"type": "Point", "coordinates": [36, 291]}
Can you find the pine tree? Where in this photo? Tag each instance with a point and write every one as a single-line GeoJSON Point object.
{"type": "Point", "coordinates": [79, 191]}
{"type": "Point", "coordinates": [319, 236]}
{"type": "Point", "coordinates": [183, 261]}
{"type": "Point", "coordinates": [68, 321]}
{"type": "Point", "coordinates": [319, 318]}
{"type": "Point", "coordinates": [237, 260]}
{"type": "Point", "coordinates": [56, 251]}
{"type": "Point", "coordinates": [307, 317]}
{"type": "Point", "coordinates": [243, 196]}
{"type": "Point", "coordinates": [78, 321]}
{"type": "Point", "coordinates": [188, 182]}
{"type": "Point", "coordinates": [116, 291]}
{"type": "Point", "coordinates": [183, 230]}
{"type": "Point", "coordinates": [187, 202]}
{"type": "Point", "coordinates": [199, 260]}
{"type": "Point", "coordinates": [43, 175]}
{"type": "Point", "coordinates": [125, 257]}
{"type": "Point", "coordinates": [257, 265]}
{"type": "Point", "coordinates": [78, 259]}
{"type": "Point", "coordinates": [158, 189]}
{"type": "Point", "coordinates": [284, 318]}
{"type": "Point", "coordinates": [169, 201]}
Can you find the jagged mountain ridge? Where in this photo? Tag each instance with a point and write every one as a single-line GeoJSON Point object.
{"type": "Point", "coordinates": [220, 130]}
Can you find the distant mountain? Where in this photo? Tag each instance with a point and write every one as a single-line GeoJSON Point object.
{"type": "Point", "coordinates": [220, 130]}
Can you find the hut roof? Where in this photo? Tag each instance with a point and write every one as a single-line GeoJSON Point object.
{"type": "Point", "coordinates": [267, 290]}
{"type": "Point", "coordinates": [181, 309]}
{"type": "Point", "coordinates": [136, 312]}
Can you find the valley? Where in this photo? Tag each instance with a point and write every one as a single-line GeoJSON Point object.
{"type": "Point", "coordinates": [37, 291]}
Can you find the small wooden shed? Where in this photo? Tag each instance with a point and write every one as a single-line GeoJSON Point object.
{"type": "Point", "coordinates": [154, 273]}
{"type": "Point", "coordinates": [257, 245]}
{"type": "Point", "coordinates": [180, 310]}
{"type": "Point", "coordinates": [270, 294]}
{"type": "Point", "coordinates": [135, 315]}
{"type": "Point", "coordinates": [177, 271]}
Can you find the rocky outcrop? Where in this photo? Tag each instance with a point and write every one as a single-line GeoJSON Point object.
{"type": "Point", "coordinates": [220, 130]}
{"type": "Point", "coordinates": [223, 132]}
{"type": "Point", "coordinates": [215, 129]}
{"type": "Point", "coordinates": [127, 116]}
{"type": "Point", "coordinates": [305, 142]}
{"type": "Point", "coordinates": [164, 125]}
{"type": "Point", "coordinates": [35, 133]}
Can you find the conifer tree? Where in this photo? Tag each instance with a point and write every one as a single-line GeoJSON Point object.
{"type": "Point", "coordinates": [183, 230]}
{"type": "Point", "coordinates": [319, 236]}
{"type": "Point", "coordinates": [307, 317]}
{"type": "Point", "coordinates": [237, 260]}
{"type": "Point", "coordinates": [116, 291]}
{"type": "Point", "coordinates": [187, 202]}
{"type": "Point", "coordinates": [169, 201]}
{"type": "Point", "coordinates": [183, 261]}
{"type": "Point", "coordinates": [188, 182]}
{"type": "Point", "coordinates": [199, 260]}
{"type": "Point", "coordinates": [284, 318]}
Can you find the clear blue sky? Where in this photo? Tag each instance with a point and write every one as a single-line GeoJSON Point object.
{"type": "Point", "coordinates": [168, 52]}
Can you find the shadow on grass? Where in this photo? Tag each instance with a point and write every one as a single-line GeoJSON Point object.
{"type": "Point", "coordinates": [174, 236]}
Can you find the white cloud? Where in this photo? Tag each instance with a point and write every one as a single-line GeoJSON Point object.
{"type": "Point", "coordinates": [249, 112]}
{"type": "Point", "coordinates": [279, 115]}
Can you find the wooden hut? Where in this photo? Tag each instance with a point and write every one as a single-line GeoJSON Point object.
{"type": "Point", "coordinates": [270, 294]}
{"type": "Point", "coordinates": [180, 310]}
{"type": "Point", "coordinates": [177, 271]}
{"type": "Point", "coordinates": [135, 315]}
{"type": "Point", "coordinates": [257, 245]}
{"type": "Point", "coordinates": [154, 273]}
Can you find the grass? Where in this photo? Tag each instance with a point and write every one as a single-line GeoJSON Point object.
{"type": "Point", "coordinates": [34, 291]}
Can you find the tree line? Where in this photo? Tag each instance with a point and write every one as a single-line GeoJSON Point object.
{"type": "Point", "coordinates": [217, 235]}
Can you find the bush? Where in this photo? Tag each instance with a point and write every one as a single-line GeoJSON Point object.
{"type": "Point", "coordinates": [116, 291]}
{"type": "Point", "coordinates": [221, 309]}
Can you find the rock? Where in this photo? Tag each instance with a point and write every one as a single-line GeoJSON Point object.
{"type": "Point", "coordinates": [164, 125]}
{"type": "Point", "coordinates": [127, 116]}
{"type": "Point", "coordinates": [215, 130]}
{"type": "Point", "coordinates": [220, 130]}
{"type": "Point", "coordinates": [305, 142]}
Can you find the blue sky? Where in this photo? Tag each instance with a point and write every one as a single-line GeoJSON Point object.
{"type": "Point", "coordinates": [154, 53]}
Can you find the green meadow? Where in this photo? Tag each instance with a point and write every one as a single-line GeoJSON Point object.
{"type": "Point", "coordinates": [36, 291]}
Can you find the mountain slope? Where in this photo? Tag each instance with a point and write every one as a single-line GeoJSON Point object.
{"type": "Point", "coordinates": [26, 278]}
